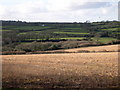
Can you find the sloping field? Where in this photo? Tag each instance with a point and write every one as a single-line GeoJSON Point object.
{"type": "Point", "coordinates": [70, 70]}
{"type": "Point", "coordinates": [112, 48]}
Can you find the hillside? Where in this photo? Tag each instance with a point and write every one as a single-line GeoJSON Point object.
{"type": "Point", "coordinates": [44, 36]}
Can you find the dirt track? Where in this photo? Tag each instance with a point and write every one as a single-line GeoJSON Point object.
{"type": "Point", "coordinates": [73, 70]}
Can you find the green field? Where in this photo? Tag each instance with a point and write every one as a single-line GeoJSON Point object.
{"type": "Point", "coordinates": [70, 33]}
{"type": "Point", "coordinates": [22, 33]}
{"type": "Point", "coordinates": [73, 38]}
{"type": "Point", "coordinates": [72, 30]}
{"type": "Point", "coordinates": [5, 30]}
{"type": "Point", "coordinates": [104, 40]}
{"type": "Point", "coordinates": [26, 27]}
{"type": "Point", "coordinates": [67, 30]}
{"type": "Point", "coordinates": [111, 29]}
{"type": "Point", "coordinates": [37, 32]}
{"type": "Point", "coordinates": [67, 38]}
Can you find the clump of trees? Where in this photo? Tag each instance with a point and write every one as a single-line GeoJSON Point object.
{"type": "Point", "coordinates": [45, 46]}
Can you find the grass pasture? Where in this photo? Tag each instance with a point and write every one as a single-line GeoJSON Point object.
{"type": "Point", "coordinates": [111, 29]}
{"type": "Point", "coordinates": [73, 38]}
{"type": "Point", "coordinates": [73, 30]}
{"type": "Point", "coordinates": [66, 38]}
{"type": "Point", "coordinates": [104, 40]}
{"type": "Point", "coordinates": [37, 32]}
{"type": "Point", "coordinates": [26, 27]}
{"type": "Point", "coordinates": [71, 33]}
{"type": "Point", "coordinates": [5, 30]}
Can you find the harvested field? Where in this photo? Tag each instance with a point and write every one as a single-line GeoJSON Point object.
{"type": "Point", "coordinates": [70, 70]}
{"type": "Point", "coordinates": [112, 48]}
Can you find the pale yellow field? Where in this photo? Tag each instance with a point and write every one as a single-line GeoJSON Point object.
{"type": "Point", "coordinates": [70, 70]}
{"type": "Point", "coordinates": [97, 48]}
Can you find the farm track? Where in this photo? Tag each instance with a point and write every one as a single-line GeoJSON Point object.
{"type": "Point", "coordinates": [69, 70]}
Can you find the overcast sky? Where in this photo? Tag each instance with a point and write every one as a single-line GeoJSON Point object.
{"type": "Point", "coordinates": [59, 10]}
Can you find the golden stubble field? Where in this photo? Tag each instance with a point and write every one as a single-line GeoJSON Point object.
{"type": "Point", "coordinates": [68, 70]}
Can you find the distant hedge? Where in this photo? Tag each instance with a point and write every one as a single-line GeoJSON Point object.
{"type": "Point", "coordinates": [40, 47]}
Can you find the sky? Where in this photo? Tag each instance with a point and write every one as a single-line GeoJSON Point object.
{"type": "Point", "coordinates": [59, 10]}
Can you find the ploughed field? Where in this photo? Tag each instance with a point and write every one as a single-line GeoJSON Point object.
{"type": "Point", "coordinates": [65, 70]}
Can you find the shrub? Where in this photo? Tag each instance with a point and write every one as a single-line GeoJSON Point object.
{"type": "Point", "coordinates": [114, 42]}
{"type": "Point", "coordinates": [13, 52]}
{"type": "Point", "coordinates": [23, 47]}
{"type": "Point", "coordinates": [6, 48]}
{"type": "Point", "coordinates": [54, 47]}
{"type": "Point", "coordinates": [69, 44]}
{"type": "Point", "coordinates": [37, 46]}
{"type": "Point", "coordinates": [83, 51]}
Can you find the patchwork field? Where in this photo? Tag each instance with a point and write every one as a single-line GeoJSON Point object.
{"type": "Point", "coordinates": [69, 70]}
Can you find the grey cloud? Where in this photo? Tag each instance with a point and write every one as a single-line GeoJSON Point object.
{"type": "Point", "coordinates": [38, 10]}
{"type": "Point", "coordinates": [90, 5]}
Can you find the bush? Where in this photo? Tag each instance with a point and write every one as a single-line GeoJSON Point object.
{"type": "Point", "coordinates": [37, 46]}
{"type": "Point", "coordinates": [6, 48]}
{"type": "Point", "coordinates": [13, 52]}
{"type": "Point", "coordinates": [54, 47]}
{"type": "Point", "coordinates": [83, 51]}
{"type": "Point", "coordinates": [69, 44]}
{"type": "Point", "coordinates": [114, 42]}
{"type": "Point", "coordinates": [23, 47]}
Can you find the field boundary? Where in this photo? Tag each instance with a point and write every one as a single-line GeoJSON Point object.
{"type": "Point", "coordinates": [51, 52]}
